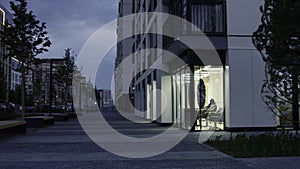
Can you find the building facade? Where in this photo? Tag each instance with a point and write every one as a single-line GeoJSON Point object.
{"type": "Point", "coordinates": [6, 62]}
{"type": "Point", "coordinates": [45, 75]}
{"type": "Point", "coordinates": [233, 86]}
{"type": "Point", "coordinates": [16, 76]}
{"type": "Point", "coordinates": [105, 99]}
{"type": "Point", "coordinates": [124, 49]}
{"type": "Point", "coordinates": [83, 93]}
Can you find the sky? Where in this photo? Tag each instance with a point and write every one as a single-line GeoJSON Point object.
{"type": "Point", "coordinates": [70, 23]}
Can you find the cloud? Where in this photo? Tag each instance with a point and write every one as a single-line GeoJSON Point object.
{"type": "Point", "coordinates": [71, 22]}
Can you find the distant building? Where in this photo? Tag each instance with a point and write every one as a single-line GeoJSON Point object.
{"type": "Point", "coordinates": [43, 77]}
{"type": "Point", "coordinates": [83, 93]}
{"type": "Point", "coordinates": [105, 98]}
{"type": "Point", "coordinates": [38, 81]}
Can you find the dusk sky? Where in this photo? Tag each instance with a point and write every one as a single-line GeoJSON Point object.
{"type": "Point", "coordinates": [71, 22]}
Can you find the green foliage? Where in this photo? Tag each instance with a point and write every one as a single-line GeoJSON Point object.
{"type": "Point", "coordinates": [30, 100]}
{"type": "Point", "coordinates": [65, 73]}
{"type": "Point", "coordinates": [278, 41]}
{"type": "Point", "coordinates": [25, 39]}
{"type": "Point", "coordinates": [37, 80]}
{"type": "Point", "coordinates": [265, 145]}
{"type": "Point", "coordinates": [15, 96]}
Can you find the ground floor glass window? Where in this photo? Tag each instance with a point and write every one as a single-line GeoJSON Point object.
{"type": "Point", "coordinates": [199, 90]}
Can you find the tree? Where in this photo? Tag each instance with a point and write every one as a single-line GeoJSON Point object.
{"type": "Point", "coordinates": [37, 80]}
{"type": "Point", "coordinates": [14, 95]}
{"type": "Point", "coordinates": [65, 73]}
{"type": "Point", "coordinates": [277, 40]}
{"type": "Point", "coordinates": [25, 39]}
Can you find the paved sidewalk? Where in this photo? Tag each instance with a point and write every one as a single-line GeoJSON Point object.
{"type": "Point", "coordinates": [65, 145]}
{"type": "Point", "coordinates": [274, 162]}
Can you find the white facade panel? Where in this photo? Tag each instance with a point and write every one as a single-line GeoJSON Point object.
{"type": "Point", "coordinates": [166, 102]}
{"type": "Point", "coordinates": [241, 95]}
{"type": "Point", "coordinates": [243, 16]}
{"type": "Point", "coordinates": [263, 117]}
{"type": "Point", "coordinates": [154, 100]}
{"type": "Point", "coordinates": [247, 108]}
{"type": "Point", "coordinates": [246, 68]}
{"type": "Point", "coordinates": [240, 43]}
{"type": "Point", "coordinates": [148, 110]}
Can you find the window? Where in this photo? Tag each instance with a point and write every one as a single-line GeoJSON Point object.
{"type": "Point", "coordinates": [209, 87]}
{"type": "Point", "coordinates": [1, 17]}
{"type": "Point", "coordinates": [133, 6]}
{"type": "Point", "coordinates": [178, 8]}
{"type": "Point", "coordinates": [209, 18]}
{"type": "Point", "coordinates": [133, 55]}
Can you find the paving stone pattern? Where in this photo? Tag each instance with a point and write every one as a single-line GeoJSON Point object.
{"type": "Point", "coordinates": [65, 145]}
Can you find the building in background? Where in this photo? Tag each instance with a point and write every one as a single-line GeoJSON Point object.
{"type": "Point", "coordinates": [5, 62]}
{"type": "Point", "coordinates": [84, 93]}
{"type": "Point", "coordinates": [105, 99]}
{"type": "Point", "coordinates": [45, 74]}
{"type": "Point", "coordinates": [16, 76]}
{"type": "Point", "coordinates": [39, 75]}
{"type": "Point", "coordinates": [234, 85]}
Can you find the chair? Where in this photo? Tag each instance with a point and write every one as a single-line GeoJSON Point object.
{"type": "Point", "coordinates": [216, 117]}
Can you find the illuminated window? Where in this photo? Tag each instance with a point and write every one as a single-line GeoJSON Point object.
{"type": "Point", "coordinates": [2, 16]}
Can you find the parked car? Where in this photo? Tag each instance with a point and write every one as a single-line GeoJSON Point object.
{"type": "Point", "coordinates": [70, 107]}
{"type": "Point", "coordinates": [7, 106]}
{"type": "Point", "coordinates": [3, 107]}
{"type": "Point", "coordinates": [29, 109]}
{"type": "Point", "coordinates": [60, 108]}
{"type": "Point", "coordinates": [44, 108]}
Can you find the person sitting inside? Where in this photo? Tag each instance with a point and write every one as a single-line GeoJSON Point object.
{"type": "Point", "coordinates": [210, 108]}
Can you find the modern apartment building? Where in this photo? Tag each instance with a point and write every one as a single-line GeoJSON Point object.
{"type": "Point", "coordinates": [16, 76]}
{"type": "Point", "coordinates": [5, 62]}
{"type": "Point", "coordinates": [45, 74]}
{"type": "Point", "coordinates": [233, 85]}
{"type": "Point", "coordinates": [124, 49]}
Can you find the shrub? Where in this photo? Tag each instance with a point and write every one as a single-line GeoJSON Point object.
{"type": "Point", "coordinates": [265, 145]}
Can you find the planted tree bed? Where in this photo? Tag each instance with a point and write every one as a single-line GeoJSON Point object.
{"type": "Point", "coordinates": [266, 145]}
{"type": "Point", "coordinates": [60, 116]}
{"type": "Point", "coordinates": [39, 121]}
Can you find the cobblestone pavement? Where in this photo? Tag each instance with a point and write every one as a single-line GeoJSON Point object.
{"type": "Point", "coordinates": [65, 145]}
{"type": "Point", "coordinates": [274, 163]}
